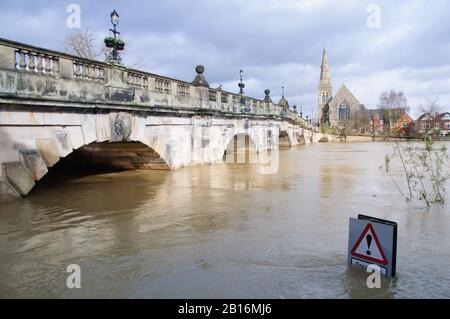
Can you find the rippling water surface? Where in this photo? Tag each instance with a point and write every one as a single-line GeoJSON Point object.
{"type": "Point", "coordinates": [221, 231]}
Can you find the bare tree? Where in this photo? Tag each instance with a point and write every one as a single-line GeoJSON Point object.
{"type": "Point", "coordinates": [359, 121]}
{"type": "Point", "coordinates": [393, 104]}
{"type": "Point", "coordinates": [83, 43]}
{"type": "Point", "coordinates": [430, 106]}
{"type": "Point", "coordinates": [393, 100]}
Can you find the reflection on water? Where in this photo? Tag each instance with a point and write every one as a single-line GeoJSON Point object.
{"type": "Point", "coordinates": [221, 231]}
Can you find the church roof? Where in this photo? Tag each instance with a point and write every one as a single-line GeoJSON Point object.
{"type": "Point", "coordinates": [344, 94]}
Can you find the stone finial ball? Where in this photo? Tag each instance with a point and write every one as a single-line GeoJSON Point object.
{"type": "Point", "coordinates": [267, 91]}
{"type": "Point", "coordinates": [199, 69]}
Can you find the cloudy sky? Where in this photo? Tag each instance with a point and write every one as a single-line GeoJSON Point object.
{"type": "Point", "coordinates": [276, 42]}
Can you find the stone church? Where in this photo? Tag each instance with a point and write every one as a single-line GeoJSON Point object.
{"type": "Point", "coordinates": [338, 109]}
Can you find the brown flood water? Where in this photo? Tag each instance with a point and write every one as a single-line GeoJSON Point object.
{"type": "Point", "coordinates": [222, 231]}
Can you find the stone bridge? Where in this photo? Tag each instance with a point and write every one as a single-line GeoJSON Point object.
{"type": "Point", "coordinates": [52, 104]}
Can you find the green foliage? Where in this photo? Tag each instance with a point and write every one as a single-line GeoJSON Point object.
{"type": "Point", "coordinates": [426, 170]}
{"type": "Point", "coordinates": [114, 41]}
{"type": "Point", "coordinates": [325, 128]}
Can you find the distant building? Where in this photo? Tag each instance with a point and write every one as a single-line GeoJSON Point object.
{"type": "Point", "coordinates": [380, 122]}
{"type": "Point", "coordinates": [344, 109]}
{"type": "Point", "coordinates": [340, 108]}
{"type": "Point", "coordinates": [444, 123]}
{"type": "Point", "coordinates": [437, 124]}
{"type": "Point", "coordinates": [405, 124]}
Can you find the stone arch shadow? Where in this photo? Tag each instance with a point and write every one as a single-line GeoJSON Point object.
{"type": "Point", "coordinates": [96, 156]}
{"type": "Point", "coordinates": [284, 139]}
{"type": "Point", "coordinates": [240, 148]}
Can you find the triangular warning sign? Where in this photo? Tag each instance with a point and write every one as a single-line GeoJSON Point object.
{"type": "Point", "coordinates": [368, 247]}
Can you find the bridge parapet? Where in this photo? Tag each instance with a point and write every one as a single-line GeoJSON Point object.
{"type": "Point", "coordinates": [28, 72]}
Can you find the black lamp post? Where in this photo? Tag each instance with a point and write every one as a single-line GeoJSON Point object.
{"type": "Point", "coordinates": [241, 86]}
{"type": "Point", "coordinates": [114, 43]}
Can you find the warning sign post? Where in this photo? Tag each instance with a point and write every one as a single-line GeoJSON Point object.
{"type": "Point", "coordinates": [373, 241]}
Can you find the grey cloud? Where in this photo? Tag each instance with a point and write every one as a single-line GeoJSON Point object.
{"type": "Point", "coordinates": [276, 42]}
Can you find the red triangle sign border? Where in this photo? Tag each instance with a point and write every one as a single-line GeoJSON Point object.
{"type": "Point", "coordinates": [375, 237]}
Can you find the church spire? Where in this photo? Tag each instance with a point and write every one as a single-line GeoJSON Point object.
{"type": "Point", "coordinates": [325, 92]}
{"type": "Point", "coordinates": [325, 70]}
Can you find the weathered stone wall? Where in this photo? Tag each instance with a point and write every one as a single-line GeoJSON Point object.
{"type": "Point", "coordinates": [356, 138]}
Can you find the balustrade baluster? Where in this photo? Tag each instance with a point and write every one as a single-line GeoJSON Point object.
{"type": "Point", "coordinates": [77, 67]}
{"type": "Point", "coordinates": [31, 64]}
{"type": "Point", "coordinates": [90, 75]}
{"type": "Point", "coordinates": [40, 65]}
{"type": "Point", "coordinates": [55, 66]}
{"type": "Point", "coordinates": [101, 74]}
{"type": "Point", "coordinates": [96, 73]}
{"type": "Point", "coordinates": [22, 62]}
{"type": "Point", "coordinates": [48, 66]}
{"type": "Point", "coordinates": [86, 72]}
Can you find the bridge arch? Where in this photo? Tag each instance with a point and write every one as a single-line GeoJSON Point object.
{"type": "Point", "coordinates": [119, 155]}
{"type": "Point", "coordinates": [107, 156]}
{"type": "Point", "coordinates": [19, 177]}
{"type": "Point", "coordinates": [284, 140]}
{"type": "Point", "coordinates": [300, 136]}
{"type": "Point", "coordinates": [240, 149]}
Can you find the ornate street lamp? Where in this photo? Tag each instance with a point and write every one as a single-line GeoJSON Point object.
{"type": "Point", "coordinates": [113, 42]}
{"type": "Point", "coordinates": [241, 86]}
{"type": "Point", "coordinates": [114, 19]}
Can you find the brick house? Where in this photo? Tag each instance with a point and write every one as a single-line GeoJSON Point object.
{"type": "Point", "coordinates": [443, 121]}
{"type": "Point", "coordinates": [424, 123]}
{"type": "Point", "coordinates": [380, 123]}
{"type": "Point", "coordinates": [439, 124]}
{"type": "Point", "coordinates": [404, 124]}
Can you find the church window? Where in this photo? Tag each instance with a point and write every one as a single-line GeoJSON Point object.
{"type": "Point", "coordinates": [344, 112]}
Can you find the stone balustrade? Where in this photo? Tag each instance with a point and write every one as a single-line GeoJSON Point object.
{"type": "Point", "coordinates": [183, 89]}
{"type": "Point", "coordinates": [36, 62]}
{"type": "Point", "coordinates": [163, 86]}
{"type": "Point", "coordinates": [84, 71]}
{"type": "Point", "coordinates": [74, 79]}
{"type": "Point", "coordinates": [137, 79]}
